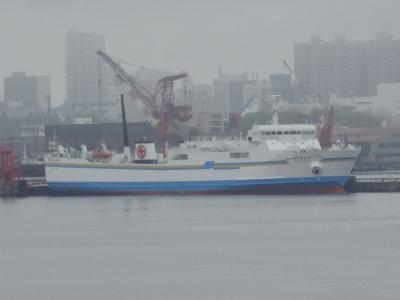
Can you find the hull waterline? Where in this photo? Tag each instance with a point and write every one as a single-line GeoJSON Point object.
{"type": "Point", "coordinates": [304, 185]}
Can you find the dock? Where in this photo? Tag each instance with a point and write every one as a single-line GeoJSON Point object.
{"type": "Point", "coordinates": [370, 182]}
{"type": "Point", "coordinates": [25, 187]}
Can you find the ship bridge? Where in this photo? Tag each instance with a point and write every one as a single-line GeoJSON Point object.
{"type": "Point", "coordinates": [282, 132]}
{"type": "Point", "coordinates": [285, 136]}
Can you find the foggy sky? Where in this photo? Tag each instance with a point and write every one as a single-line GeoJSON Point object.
{"type": "Point", "coordinates": [191, 35]}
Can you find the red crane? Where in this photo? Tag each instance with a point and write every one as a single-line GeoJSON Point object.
{"type": "Point", "coordinates": [325, 131]}
{"type": "Point", "coordinates": [9, 170]}
{"type": "Point", "coordinates": [164, 111]}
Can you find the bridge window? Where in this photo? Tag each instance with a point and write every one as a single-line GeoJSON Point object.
{"type": "Point", "coordinates": [181, 157]}
{"type": "Point", "coordinates": [308, 132]}
{"type": "Point", "coordinates": [239, 154]}
{"type": "Point", "coordinates": [389, 145]}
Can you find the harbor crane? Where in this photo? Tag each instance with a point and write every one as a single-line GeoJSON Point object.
{"type": "Point", "coordinates": [165, 111]}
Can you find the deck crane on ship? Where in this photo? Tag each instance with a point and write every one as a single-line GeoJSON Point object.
{"type": "Point", "coordinates": [162, 113]}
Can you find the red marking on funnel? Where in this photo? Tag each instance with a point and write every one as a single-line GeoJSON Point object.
{"type": "Point", "coordinates": [141, 151]}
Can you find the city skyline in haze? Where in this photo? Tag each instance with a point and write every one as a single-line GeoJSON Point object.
{"type": "Point", "coordinates": [194, 36]}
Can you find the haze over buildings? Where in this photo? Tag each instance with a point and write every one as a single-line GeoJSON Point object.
{"type": "Point", "coordinates": [180, 35]}
{"type": "Point", "coordinates": [229, 92]}
{"type": "Point", "coordinates": [24, 94]}
{"type": "Point", "coordinates": [85, 72]}
{"type": "Point", "coordinates": [347, 68]}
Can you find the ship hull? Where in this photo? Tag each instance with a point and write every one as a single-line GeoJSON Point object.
{"type": "Point", "coordinates": [280, 176]}
{"type": "Point", "coordinates": [299, 185]}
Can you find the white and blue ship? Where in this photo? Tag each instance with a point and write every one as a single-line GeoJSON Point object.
{"type": "Point", "coordinates": [274, 158]}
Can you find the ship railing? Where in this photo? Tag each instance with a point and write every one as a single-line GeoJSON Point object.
{"type": "Point", "coordinates": [216, 138]}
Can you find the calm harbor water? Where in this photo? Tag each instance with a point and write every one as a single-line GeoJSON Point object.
{"type": "Point", "coordinates": [221, 247]}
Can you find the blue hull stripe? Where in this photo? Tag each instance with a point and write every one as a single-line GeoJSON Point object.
{"type": "Point", "coordinates": [193, 186]}
{"type": "Point", "coordinates": [165, 167]}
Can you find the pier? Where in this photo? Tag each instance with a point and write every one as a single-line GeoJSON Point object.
{"type": "Point", "coordinates": [386, 181]}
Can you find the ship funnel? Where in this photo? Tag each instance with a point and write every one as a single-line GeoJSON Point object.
{"type": "Point", "coordinates": [145, 153]}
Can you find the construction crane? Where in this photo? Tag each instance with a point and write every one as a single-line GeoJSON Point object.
{"type": "Point", "coordinates": [136, 89]}
{"type": "Point", "coordinates": [288, 68]}
{"type": "Point", "coordinates": [164, 111]}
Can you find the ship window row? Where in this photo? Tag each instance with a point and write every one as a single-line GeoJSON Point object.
{"type": "Point", "coordinates": [191, 146]}
{"type": "Point", "coordinates": [239, 154]}
{"type": "Point", "coordinates": [305, 132]}
{"type": "Point", "coordinates": [389, 145]}
{"type": "Point", "coordinates": [181, 157]}
{"type": "Point", "coordinates": [302, 158]}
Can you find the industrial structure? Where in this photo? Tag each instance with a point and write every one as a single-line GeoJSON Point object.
{"type": "Point", "coordinates": [9, 171]}
{"type": "Point", "coordinates": [164, 111]}
{"type": "Point", "coordinates": [380, 147]}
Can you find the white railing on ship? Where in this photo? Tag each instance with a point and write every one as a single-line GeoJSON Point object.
{"type": "Point", "coordinates": [216, 138]}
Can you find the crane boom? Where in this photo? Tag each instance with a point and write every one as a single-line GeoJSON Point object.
{"type": "Point", "coordinates": [165, 112]}
{"type": "Point", "coordinates": [137, 90]}
{"type": "Point", "coordinates": [166, 85]}
{"type": "Point", "coordinates": [288, 67]}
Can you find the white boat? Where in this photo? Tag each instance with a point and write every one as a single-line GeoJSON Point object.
{"type": "Point", "coordinates": [274, 158]}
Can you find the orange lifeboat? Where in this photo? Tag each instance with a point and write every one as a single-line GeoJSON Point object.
{"type": "Point", "coordinates": [102, 153]}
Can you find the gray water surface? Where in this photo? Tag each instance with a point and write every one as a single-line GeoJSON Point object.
{"type": "Point", "coordinates": [214, 247]}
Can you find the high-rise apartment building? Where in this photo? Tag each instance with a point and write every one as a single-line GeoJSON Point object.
{"type": "Point", "coordinates": [229, 93]}
{"type": "Point", "coordinates": [281, 84]}
{"type": "Point", "coordinates": [347, 68]}
{"type": "Point", "coordinates": [26, 94]}
{"type": "Point", "coordinates": [86, 79]}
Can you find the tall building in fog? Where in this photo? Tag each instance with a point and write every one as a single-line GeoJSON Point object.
{"type": "Point", "coordinates": [229, 92]}
{"type": "Point", "coordinates": [281, 84]}
{"type": "Point", "coordinates": [314, 65]}
{"type": "Point", "coordinates": [26, 94]}
{"type": "Point", "coordinates": [86, 80]}
{"type": "Point", "coordinates": [347, 68]}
